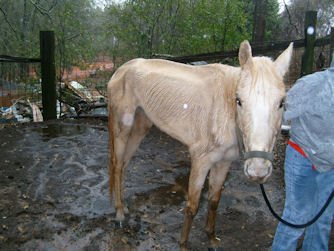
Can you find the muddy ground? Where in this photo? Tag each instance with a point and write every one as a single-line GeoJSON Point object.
{"type": "Point", "coordinates": [54, 194]}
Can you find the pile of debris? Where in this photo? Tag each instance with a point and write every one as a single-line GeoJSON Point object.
{"type": "Point", "coordinates": [74, 95]}
{"type": "Point", "coordinates": [73, 100]}
{"type": "Point", "coordinates": [22, 110]}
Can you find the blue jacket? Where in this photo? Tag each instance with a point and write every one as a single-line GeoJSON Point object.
{"type": "Point", "coordinates": [310, 108]}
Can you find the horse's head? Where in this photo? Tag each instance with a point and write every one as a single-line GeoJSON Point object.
{"type": "Point", "coordinates": [260, 98]}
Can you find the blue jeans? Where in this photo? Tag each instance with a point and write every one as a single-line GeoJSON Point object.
{"type": "Point", "coordinates": [306, 192]}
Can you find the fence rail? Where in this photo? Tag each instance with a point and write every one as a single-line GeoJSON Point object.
{"type": "Point", "coordinates": [11, 59]}
{"type": "Point", "coordinates": [256, 50]}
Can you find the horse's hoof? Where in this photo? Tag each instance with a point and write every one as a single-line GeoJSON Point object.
{"type": "Point", "coordinates": [183, 248]}
{"type": "Point", "coordinates": [120, 215]}
{"type": "Point", "coordinates": [215, 249]}
{"type": "Point", "coordinates": [214, 243]}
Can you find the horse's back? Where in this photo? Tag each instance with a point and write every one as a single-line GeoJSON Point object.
{"type": "Point", "coordinates": [147, 80]}
{"type": "Point", "coordinates": [141, 68]}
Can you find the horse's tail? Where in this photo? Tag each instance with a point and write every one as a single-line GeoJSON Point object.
{"type": "Point", "coordinates": [112, 154]}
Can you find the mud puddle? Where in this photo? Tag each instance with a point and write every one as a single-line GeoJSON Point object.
{"type": "Point", "coordinates": [54, 194]}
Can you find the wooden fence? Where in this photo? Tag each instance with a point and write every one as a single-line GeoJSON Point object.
{"type": "Point", "coordinates": [256, 50]}
{"type": "Point", "coordinates": [308, 44]}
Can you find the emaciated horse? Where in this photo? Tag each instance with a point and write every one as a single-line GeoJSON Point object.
{"type": "Point", "coordinates": [201, 106]}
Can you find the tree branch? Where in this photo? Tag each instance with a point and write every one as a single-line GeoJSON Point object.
{"type": "Point", "coordinates": [289, 16]}
{"type": "Point", "coordinates": [41, 9]}
{"type": "Point", "coordinates": [73, 36]}
{"type": "Point", "coordinates": [53, 5]}
{"type": "Point", "coordinates": [7, 21]}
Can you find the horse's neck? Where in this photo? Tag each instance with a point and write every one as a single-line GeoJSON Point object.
{"type": "Point", "coordinates": [224, 108]}
{"type": "Point", "coordinates": [225, 92]}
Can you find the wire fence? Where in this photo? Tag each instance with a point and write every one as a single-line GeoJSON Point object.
{"type": "Point", "coordinates": [81, 90]}
{"type": "Point", "coordinates": [19, 81]}
{"type": "Point", "coordinates": [322, 60]}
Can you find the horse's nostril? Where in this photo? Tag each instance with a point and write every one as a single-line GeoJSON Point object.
{"type": "Point", "coordinates": [246, 170]}
{"type": "Point", "coordinates": [269, 170]}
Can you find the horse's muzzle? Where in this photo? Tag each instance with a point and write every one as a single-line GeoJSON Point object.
{"type": "Point", "coordinates": [258, 169]}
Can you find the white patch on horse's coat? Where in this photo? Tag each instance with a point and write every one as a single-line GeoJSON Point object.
{"type": "Point", "coordinates": [185, 106]}
{"type": "Point", "coordinates": [127, 119]}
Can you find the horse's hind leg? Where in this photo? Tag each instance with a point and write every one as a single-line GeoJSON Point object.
{"type": "Point", "coordinates": [126, 143]}
{"type": "Point", "coordinates": [139, 130]}
{"type": "Point", "coordinates": [217, 177]}
{"type": "Point", "coordinates": [120, 125]}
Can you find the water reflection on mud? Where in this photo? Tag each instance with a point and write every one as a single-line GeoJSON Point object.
{"type": "Point", "coordinates": [54, 194]}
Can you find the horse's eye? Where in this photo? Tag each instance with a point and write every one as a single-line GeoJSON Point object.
{"type": "Point", "coordinates": [238, 101]}
{"type": "Point", "coordinates": [281, 105]}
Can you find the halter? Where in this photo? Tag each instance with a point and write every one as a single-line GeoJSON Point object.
{"type": "Point", "coordinates": [270, 156]}
{"type": "Point", "coordinates": [251, 154]}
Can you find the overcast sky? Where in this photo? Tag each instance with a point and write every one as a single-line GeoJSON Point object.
{"type": "Point", "coordinates": [102, 3]}
{"type": "Point", "coordinates": [281, 4]}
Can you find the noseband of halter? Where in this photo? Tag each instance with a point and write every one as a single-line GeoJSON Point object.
{"type": "Point", "coordinates": [259, 154]}
{"type": "Point", "coordinates": [251, 154]}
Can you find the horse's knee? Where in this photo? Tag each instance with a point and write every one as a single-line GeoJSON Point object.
{"type": "Point", "coordinates": [213, 205]}
{"type": "Point", "coordinates": [189, 213]}
{"type": "Point", "coordinates": [191, 210]}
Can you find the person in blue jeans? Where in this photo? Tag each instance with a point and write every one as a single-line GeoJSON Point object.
{"type": "Point", "coordinates": [309, 162]}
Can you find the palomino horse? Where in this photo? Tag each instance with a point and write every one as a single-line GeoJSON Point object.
{"type": "Point", "coordinates": [201, 106]}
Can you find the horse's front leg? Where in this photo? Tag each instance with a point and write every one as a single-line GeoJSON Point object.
{"type": "Point", "coordinates": [217, 177]}
{"type": "Point", "coordinates": [199, 170]}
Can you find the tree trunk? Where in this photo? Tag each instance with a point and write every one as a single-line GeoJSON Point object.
{"type": "Point", "coordinates": [259, 26]}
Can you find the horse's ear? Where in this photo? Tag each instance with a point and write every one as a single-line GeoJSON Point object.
{"type": "Point", "coordinates": [282, 63]}
{"type": "Point", "coordinates": [245, 54]}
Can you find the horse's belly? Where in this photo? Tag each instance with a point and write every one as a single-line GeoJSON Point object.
{"type": "Point", "coordinates": [177, 129]}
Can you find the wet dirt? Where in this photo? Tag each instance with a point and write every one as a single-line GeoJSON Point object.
{"type": "Point", "coordinates": [54, 194]}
